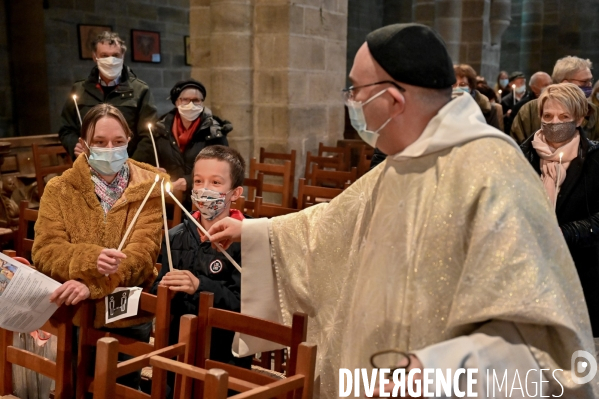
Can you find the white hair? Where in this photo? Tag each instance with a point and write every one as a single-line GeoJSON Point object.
{"type": "Point", "coordinates": [568, 66]}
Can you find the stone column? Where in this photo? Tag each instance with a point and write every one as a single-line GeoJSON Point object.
{"type": "Point", "coordinates": [499, 20]}
{"type": "Point", "coordinates": [531, 44]}
{"type": "Point", "coordinates": [276, 69]}
{"type": "Point", "coordinates": [423, 12]}
{"type": "Point", "coordinates": [448, 23]}
{"type": "Point", "coordinates": [231, 45]}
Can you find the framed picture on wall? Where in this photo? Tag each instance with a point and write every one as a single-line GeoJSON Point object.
{"type": "Point", "coordinates": [87, 34]}
{"type": "Point", "coordinates": [186, 43]}
{"type": "Point", "coordinates": [145, 46]}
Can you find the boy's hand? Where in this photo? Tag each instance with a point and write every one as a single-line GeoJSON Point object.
{"type": "Point", "coordinates": [70, 293]}
{"type": "Point", "coordinates": [109, 261]}
{"type": "Point", "coordinates": [225, 232]}
{"type": "Point", "coordinates": [182, 281]}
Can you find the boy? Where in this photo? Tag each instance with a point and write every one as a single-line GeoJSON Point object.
{"type": "Point", "coordinates": [217, 181]}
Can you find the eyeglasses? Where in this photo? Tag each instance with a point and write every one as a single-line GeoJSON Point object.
{"type": "Point", "coordinates": [391, 359]}
{"type": "Point", "coordinates": [185, 101]}
{"type": "Point", "coordinates": [585, 83]}
{"type": "Point", "coordinates": [348, 93]}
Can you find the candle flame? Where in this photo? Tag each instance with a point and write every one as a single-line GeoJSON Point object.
{"type": "Point", "coordinates": [75, 97]}
{"type": "Point", "coordinates": [561, 154]}
{"type": "Point", "coordinates": [157, 177]}
{"type": "Point", "coordinates": [499, 91]}
{"type": "Point", "coordinates": [513, 86]}
{"type": "Point", "coordinates": [167, 187]}
{"type": "Point", "coordinates": [149, 125]}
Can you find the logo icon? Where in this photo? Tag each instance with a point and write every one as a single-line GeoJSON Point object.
{"type": "Point", "coordinates": [216, 266]}
{"type": "Point", "coordinates": [580, 367]}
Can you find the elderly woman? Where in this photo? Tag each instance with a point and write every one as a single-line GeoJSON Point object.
{"type": "Point", "coordinates": [83, 216]}
{"type": "Point", "coordinates": [568, 164]}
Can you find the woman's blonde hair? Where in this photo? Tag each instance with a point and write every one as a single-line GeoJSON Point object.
{"type": "Point", "coordinates": [88, 127]}
{"type": "Point", "coordinates": [570, 96]}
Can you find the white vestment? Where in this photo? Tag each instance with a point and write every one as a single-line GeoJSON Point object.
{"type": "Point", "coordinates": [449, 249]}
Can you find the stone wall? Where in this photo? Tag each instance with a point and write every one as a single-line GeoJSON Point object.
{"type": "Point", "coordinates": [541, 32]}
{"type": "Point", "coordinates": [6, 110]}
{"type": "Point", "coordinates": [169, 17]}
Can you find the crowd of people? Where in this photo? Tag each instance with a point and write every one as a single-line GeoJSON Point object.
{"type": "Point", "coordinates": [473, 242]}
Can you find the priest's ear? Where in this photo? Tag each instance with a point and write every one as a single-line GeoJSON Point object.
{"type": "Point", "coordinates": [399, 101]}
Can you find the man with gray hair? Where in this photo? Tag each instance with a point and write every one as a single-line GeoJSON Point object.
{"type": "Point", "coordinates": [112, 82]}
{"type": "Point", "coordinates": [569, 69]}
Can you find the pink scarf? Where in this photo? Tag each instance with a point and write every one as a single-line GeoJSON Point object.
{"type": "Point", "coordinates": [553, 172]}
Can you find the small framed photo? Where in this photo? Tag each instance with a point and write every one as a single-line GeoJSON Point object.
{"type": "Point", "coordinates": [87, 34]}
{"type": "Point", "coordinates": [145, 46]}
{"type": "Point", "coordinates": [187, 44]}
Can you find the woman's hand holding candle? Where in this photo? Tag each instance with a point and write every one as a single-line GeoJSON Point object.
{"type": "Point", "coordinates": [109, 261]}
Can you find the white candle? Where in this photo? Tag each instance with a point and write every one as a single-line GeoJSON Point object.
{"type": "Point", "coordinates": [514, 93]}
{"type": "Point", "coordinates": [220, 247]}
{"type": "Point", "coordinates": [559, 175]}
{"type": "Point", "coordinates": [153, 144]}
{"type": "Point", "coordinates": [77, 108]}
{"type": "Point", "coordinates": [166, 237]}
{"type": "Point", "coordinates": [143, 203]}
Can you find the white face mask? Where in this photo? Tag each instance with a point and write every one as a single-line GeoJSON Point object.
{"type": "Point", "coordinates": [190, 112]}
{"type": "Point", "coordinates": [521, 89]}
{"type": "Point", "coordinates": [110, 67]}
{"type": "Point", "coordinates": [358, 120]}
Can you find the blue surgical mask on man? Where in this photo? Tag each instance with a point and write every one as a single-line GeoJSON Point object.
{"type": "Point", "coordinates": [107, 161]}
{"type": "Point", "coordinates": [358, 120]}
{"type": "Point", "coordinates": [588, 90]}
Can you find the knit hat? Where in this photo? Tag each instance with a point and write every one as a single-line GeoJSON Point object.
{"type": "Point", "coordinates": [184, 84]}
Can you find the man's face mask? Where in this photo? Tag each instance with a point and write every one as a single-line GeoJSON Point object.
{"type": "Point", "coordinates": [209, 202]}
{"type": "Point", "coordinates": [521, 89]}
{"type": "Point", "coordinates": [588, 90]}
{"type": "Point", "coordinates": [107, 161]}
{"type": "Point", "coordinates": [110, 67]}
{"type": "Point", "coordinates": [358, 120]}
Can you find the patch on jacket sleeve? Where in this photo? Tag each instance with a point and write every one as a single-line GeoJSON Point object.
{"type": "Point", "coordinates": [216, 266]}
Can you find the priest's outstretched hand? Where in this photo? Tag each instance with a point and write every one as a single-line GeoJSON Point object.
{"type": "Point", "coordinates": [225, 232]}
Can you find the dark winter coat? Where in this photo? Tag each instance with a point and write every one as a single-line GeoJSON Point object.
{"type": "Point", "coordinates": [179, 164]}
{"type": "Point", "coordinates": [216, 275]}
{"type": "Point", "coordinates": [131, 96]}
{"type": "Point", "coordinates": [577, 212]}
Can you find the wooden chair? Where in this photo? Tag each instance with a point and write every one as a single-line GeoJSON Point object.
{"type": "Point", "coordinates": [343, 152]}
{"type": "Point", "coordinates": [24, 244]}
{"type": "Point", "coordinates": [328, 163]}
{"type": "Point", "coordinates": [108, 369]}
{"type": "Point", "coordinates": [282, 171]}
{"type": "Point", "coordinates": [333, 178]}
{"type": "Point", "coordinates": [262, 210]}
{"type": "Point", "coordinates": [277, 157]}
{"type": "Point", "coordinates": [210, 317]}
{"type": "Point", "coordinates": [311, 195]}
{"type": "Point", "coordinates": [42, 156]}
{"type": "Point", "coordinates": [255, 186]}
{"type": "Point", "coordinates": [158, 305]}
{"type": "Point", "coordinates": [365, 160]}
{"type": "Point", "coordinates": [217, 381]}
{"type": "Point", "coordinates": [61, 325]}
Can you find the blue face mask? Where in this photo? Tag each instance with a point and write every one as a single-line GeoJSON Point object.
{"type": "Point", "coordinates": [503, 82]}
{"type": "Point", "coordinates": [587, 91]}
{"type": "Point", "coordinates": [107, 161]}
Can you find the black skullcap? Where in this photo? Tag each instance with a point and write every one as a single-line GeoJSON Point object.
{"type": "Point", "coordinates": [185, 84]}
{"type": "Point", "coordinates": [516, 75]}
{"type": "Point", "coordinates": [413, 54]}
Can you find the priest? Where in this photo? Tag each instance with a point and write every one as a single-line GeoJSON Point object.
{"type": "Point", "coordinates": [448, 250]}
